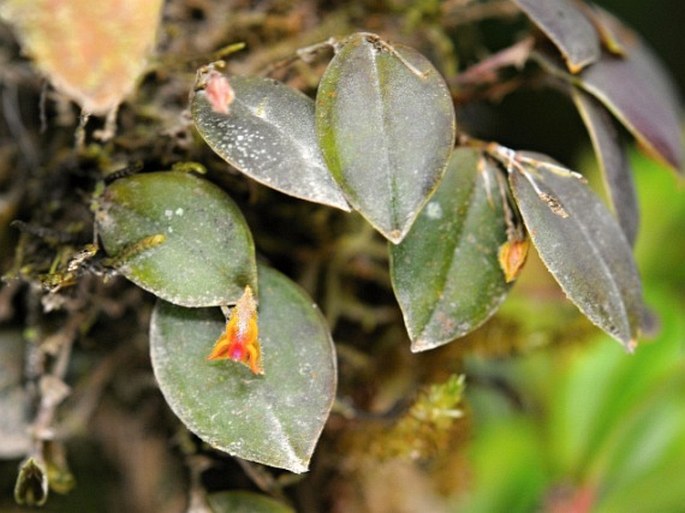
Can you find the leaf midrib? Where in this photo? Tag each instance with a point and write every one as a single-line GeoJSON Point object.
{"type": "Point", "coordinates": [607, 270]}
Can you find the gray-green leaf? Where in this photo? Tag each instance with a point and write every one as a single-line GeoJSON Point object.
{"type": "Point", "coordinates": [386, 127]}
{"type": "Point", "coordinates": [568, 28]}
{"type": "Point", "coordinates": [275, 418]}
{"type": "Point", "coordinates": [613, 162]}
{"type": "Point", "coordinates": [445, 273]}
{"type": "Point", "coordinates": [177, 236]}
{"type": "Point", "coordinates": [268, 134]}
{"type": "Point", "coordinates": [582, 245]}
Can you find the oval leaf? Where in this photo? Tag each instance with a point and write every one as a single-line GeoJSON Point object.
{"type": "Point", "coordinates": [582, 245]}
{"type": "Point", "coordinates": [613, 162]}
{"type": "Point", "coordinates": [639, 92]}
{"type": "Point", "coordinates": [93, 52]}
{"type": "Point", "coordinates": [386, 127]}
{"type": "Point", "coordinates": [445, 273]}
{"type": "Point", "coordinates": [275, 418]}
{"type": "Point", "coordinates": [177, 236]}
{"type": "Point", "coordinates": [245, 502]}
{"type": "Point", "coordinates": [268, 133]}
{"type": "Point", "coordinates": [568, 28]}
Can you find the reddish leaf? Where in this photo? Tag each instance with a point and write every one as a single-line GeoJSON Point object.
{"type": "Point", "coordinates": [640, 93]}
{"type": "Point", "coordinates": [613, 162]}
{"type": "Point", "coordinates": [568, 28]}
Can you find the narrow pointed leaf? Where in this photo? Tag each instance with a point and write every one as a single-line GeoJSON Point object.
{"type": "Point", "coordinates": [640, 93]}
{"type": "Point", "coordinates": [386, 128]}
{"type": "Point", "coordinates": [584, 248]}
{"type": "Point", "coordinates": [568, 28]}
{"type": "Point", "coordinates": [445, 273]}
{"type": "Point", "coordinates": [613, 162]}
{"type": "Point", "coordinates": [275, 418]}
{"type": "Point", "coordinates": [177, 236]}
{"type": "Point", "coordinates": [268, 133]}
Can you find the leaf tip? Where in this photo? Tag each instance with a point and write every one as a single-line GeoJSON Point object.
{"type": "Point", "coordinates": [421, 344]}
{"type": "Point", "coordinates": [395, 236]}
{"type": "Point", "coordinates": [631, 346]}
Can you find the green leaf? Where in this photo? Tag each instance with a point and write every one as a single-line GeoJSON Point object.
{"type": "Point", "coordinates": [508, 468]}
{"type": "Point", "coordinates": [245, 502]}
{"type": "Point", "coordinates": [14, 423]}
{"type": "Point", "coordinates": [275, 418]}
{"type": "Point", "coordinates": [581, 244]}
{"type": "Point", "coordinates": [568, 28]}
{"type": "Point", "coordinates": [613, 162]}
{"type": "Point", "coordinates": [660, 490]}
{"type": "Point", "coordinates": [177, 236]}
{"type": "Point", "coordinates": [386, 127]}
{"type": "Point", "coordinates": [268, 133]}
{"type": "Point", "coordinates": [445, 273]}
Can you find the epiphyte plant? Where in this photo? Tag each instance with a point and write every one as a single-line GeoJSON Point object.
{"type": "Point", "coordinates": [379, 138]}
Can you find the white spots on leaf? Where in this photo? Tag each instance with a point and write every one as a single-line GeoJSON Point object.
{"type": "Point", "coordinates": [434, 210]}
{"type": "Point", "coordinates": [270, 136]}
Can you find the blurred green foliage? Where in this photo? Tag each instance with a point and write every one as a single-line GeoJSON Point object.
{"type": "Point", "coordinates": [596, 429]}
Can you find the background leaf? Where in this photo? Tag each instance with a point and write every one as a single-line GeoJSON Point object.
{"type": "Point", "coordinates": [269, 135]}
{"type": "Point", "coordinates": [568, 28]}
{"type": "Point", "coordinates": [207, 255]}
{"type": "Point", "coordinates": [385, 132]}
{"type": "Point", "coordinates": [445, 273]}
{"type": "Point", "coordinates": [15, 441]}
{"type": "Point", "coordinates": [613, 162]}
{"type": "Point", "coordinates": [91, 51]}
{"type": "Point", "coordinates": [245, 502]}
{"type": "Point", "coordinates": [584, 248]}
{"type": "Point", "coordinates": [274, 419]}
{"type": "Point", "coordinates": [639, 92]}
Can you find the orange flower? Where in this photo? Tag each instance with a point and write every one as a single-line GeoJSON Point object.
{"type": "Point", "coordinates": [240, 341]}
{"type": "Point", "coordinates": [512, 256]}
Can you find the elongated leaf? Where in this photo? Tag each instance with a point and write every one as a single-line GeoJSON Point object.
{"type": "Point", "coordinates": [177, 236]}
{"type": "Point", "coordinates": [583, 246]}
{"type": "Point", "coordinates": [275, 418]}
{"type": "Point", "coordinates": [639, 92]}
{"type": "Point", "coordinates": [445, 273]}
{"type": "Point", "coordinates": [245, 502]}
{"type": "Point", "coordinates": [386, 127]}
{"type": "Point", "coordinates": [15, 440]}
{"type": "Point", "coordinates": [91, 51]}
{"type": "Point", "coordinates": [613, 162]}
{"type": "Point", "coordinates": [568, 28]}
{"type": "Point", "coordinates": [268, 133]}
